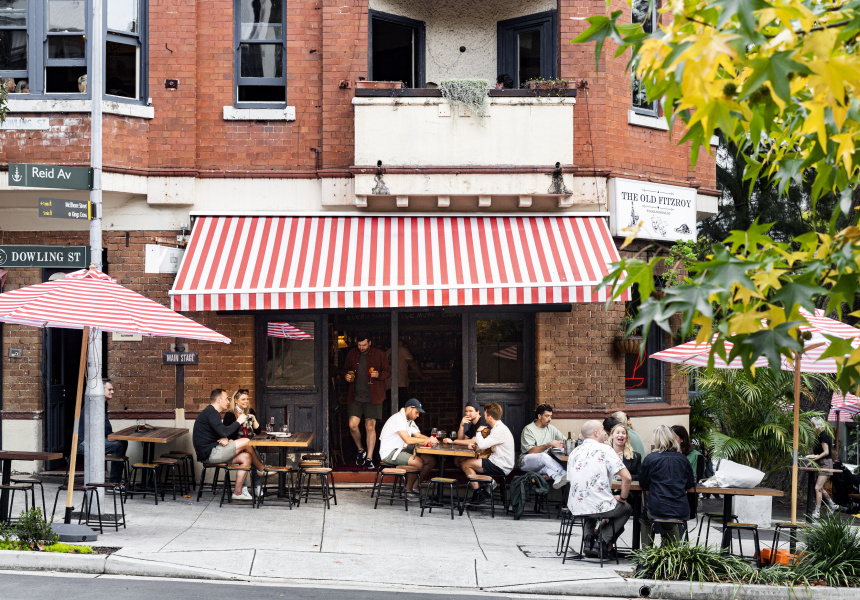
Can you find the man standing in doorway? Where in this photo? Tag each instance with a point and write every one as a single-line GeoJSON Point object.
{"type": "Point", "coordinates": [366, 369]}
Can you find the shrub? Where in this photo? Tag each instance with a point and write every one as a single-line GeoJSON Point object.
{"type": "Point", "coordinates": [33, 531]}
{"type": "Point", "coordinates": [832, 553]}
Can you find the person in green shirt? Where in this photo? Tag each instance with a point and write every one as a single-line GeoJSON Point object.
{"type": "Point", "coordinates": [635, 439]}
{"type": "Point", "coordinates": [536, 441]}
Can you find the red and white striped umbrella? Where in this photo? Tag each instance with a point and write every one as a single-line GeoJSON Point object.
{"type": "Point", "coordinates": [291, 331]}
{"type": "Point", "coordinates": [509, 353]}
{"type": "Point", "coordinates": [847, 406]}
{"type": "Point", "coordinates": [90, 298]}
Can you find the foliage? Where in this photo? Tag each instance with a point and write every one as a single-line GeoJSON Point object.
{"type": "Point", "coordinates": [69, 548]}
{"type": "Point", "coordinates": [471, 94]}
{"type": "Point", "coordinates": [4, 107]}
{"type": "Point", "coordinates": [832, 552]}
{"type": "Point", "coordinates": [681, 256]}
{"type": "Point", "coordinates": [779, 79]}
{"type": "Point", "coordinates": [33, 531]}
{"type": "Point", "coordinates": [748, 420]}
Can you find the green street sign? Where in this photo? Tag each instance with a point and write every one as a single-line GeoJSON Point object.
{"type": "Point", "coordinates": [50, 176]}
{"type": "Point", "coordinates": [65, 209]}
{"type": "Point", "coordinates": [46, 257]}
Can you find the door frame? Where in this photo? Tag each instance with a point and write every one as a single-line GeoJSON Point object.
{"type": "Point", "coordinates": [420, 42]}
{"type": "Point", "coordinates": [506, 56]}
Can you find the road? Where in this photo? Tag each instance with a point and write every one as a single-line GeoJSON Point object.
{"type": "Point", "coordinates": [27, 586]}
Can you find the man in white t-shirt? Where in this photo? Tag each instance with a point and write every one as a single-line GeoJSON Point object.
{"type": "Point", "coordinates": [398, 434]}
{"type": "Point", "coordinates": [536, 442]}
{"type": "Point", "coordinates": [591, 467]}
{"type": "Point", "coordinates": [501, 441]}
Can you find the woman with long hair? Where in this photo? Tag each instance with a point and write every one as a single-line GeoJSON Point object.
{"type": "Point", "coordinates": [620, 442]}
{"type": "Point", "coordinates": [635, 439]}
{"type": "Point", "coordinates": [241, 403]}
{"type": "Point", "coordinates": [821, 455]}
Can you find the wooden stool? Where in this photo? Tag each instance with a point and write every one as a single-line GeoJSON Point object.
{"type": "Point", "coordinates": [565, 530]}
{"type": "Point", "coordinates": [171, 464]}
{"type": "Point", "coordinates": [484, 482]}
{"type": "Point", "coordinates": [382, 465]}
{"type": "Point", "coordinates": [126, 466]}
{"type": "Point", "coordinates": [226, 491]}
{"type": "Point", "coordinates": [86, 505]}
{"type": "Point", "coordinates": [186, 469]}
{"type": "Point", "coordinates": [206, 466]}
{"type": "Point", "coordinates": [114, 489]}
{"type": "Point", "coordinates": [305, 464]}
{"type": "Point", "coordinates": [792, 529]}
{"type": "Point", "coordinates": [727, 537]}
{"type": "Point", "coordinates": [435, 490]}
{"type": "Point", "coordinates": [149, 471]}
{"type": "Point", "coordinates": [710, 516]}
{"type": "Point", "coordinates": [320, 456]}
{"type": "Point", "coordinates": [18, 487]}
{"type": "Point", "coordinates": [32, 482]}
{"type": "Point", "coordinates": [326, 490]}
{"type": "Point", "coordinates": [397, 486]}
{"type": "Point", "coordinates": [287, 474]}
{"type": "Point", "coordinates": [680, 523]}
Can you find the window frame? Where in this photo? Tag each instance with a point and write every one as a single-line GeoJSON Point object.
{"type": "Point", "coordinates": [506, 34]}
{"type": "Point", "coordinates": [653, 108]}
{"type": "Point", "coordinates": [38, 61]}
{"type": "Point", "coordinates": [18, 74]}
{"type": "Point", "coordinates": [420, 28]}
{"type": "Point", "coordinates": [238, 80]}
{"type": "Point", "coordinates": [655, 375]}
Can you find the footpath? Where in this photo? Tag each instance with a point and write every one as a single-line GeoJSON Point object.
{"type": "Point", "coordinates": [352, 544]}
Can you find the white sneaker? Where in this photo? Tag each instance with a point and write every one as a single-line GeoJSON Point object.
{"type": "Point", "coordinates": [560, 482]}
{"type": "Point", "coordinates": [816, 514]}
{"type": "Point", "coordinates": [243, 496]}
{"type": "Point", "coordinates": [833, 507]}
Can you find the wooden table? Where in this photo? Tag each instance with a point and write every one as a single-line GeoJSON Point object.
{"type": "Point", "coordinates": [810, 486]}
{"type": "Point", "coordinates": [6, 458]}
{"type": "Point", "coordinates": [444, 451]}
{"type": "Point", "coordinates": [299, 439]}
{"type": "Point", "coordinates": [148, 437]}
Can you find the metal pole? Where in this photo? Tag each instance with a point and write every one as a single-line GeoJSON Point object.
{"type": "Point", "coordinates": [94, 466]}
{"type": "Point", "coordinates": [795, 440]}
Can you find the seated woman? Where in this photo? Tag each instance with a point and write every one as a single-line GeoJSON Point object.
{"type": "Point", "coordinates": [620, 442]}
{"type": "Point", "coordinates": [239, 404]}
{"type": "Point", "coordinates": [666, 475]}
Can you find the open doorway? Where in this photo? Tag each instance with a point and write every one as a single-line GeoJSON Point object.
{"type": "Point", "coordinates": [396, 49]}
{"type": "Point", "coordinates": [62, 365]}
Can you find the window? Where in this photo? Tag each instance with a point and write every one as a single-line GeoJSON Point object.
{"type": "Point", "coordinates": [645, 12]}
{"type": "Point", "coordinates": [45, 48]}
{"type": "Point", "coordinates": [290, 354]}
{"type": "Point", "coordinates": [261, 72]}
{"type": "Point", "coordinates": [643, 378]}
{"type": "Point", "coordinates": [500, 350]}
{"type": "Point", "coordinates": [396, 49]}
{"type": "Point", "coordinates": [527, 47]}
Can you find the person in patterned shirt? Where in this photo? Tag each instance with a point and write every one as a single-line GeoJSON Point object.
{"type": "Point", "coordinates": [591, 468]}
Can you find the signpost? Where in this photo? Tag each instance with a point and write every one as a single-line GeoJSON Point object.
{"type": "Point", "coordinates": [46, 257]}
{"type": "Point", "coordinates": [50, 176]}
{"type": "Point", "coordinates": [65, 209]}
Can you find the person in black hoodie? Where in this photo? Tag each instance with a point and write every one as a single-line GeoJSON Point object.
{"type": "Point", "coordinates": [667, 475]}
{"type": "Point", "coordinates": [212, 441]}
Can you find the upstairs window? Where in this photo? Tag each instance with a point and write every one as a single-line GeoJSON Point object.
{"type": "Point", "coordinates": [645, 12]}
{"type": "Point", "coordinates": [66, 47]}
{"type": "Point", "coordinates": [13, 39]}
{"type": "Point", "coordinates": [122, 49]}
{"type": "Point", "coordinates": [261, 57]}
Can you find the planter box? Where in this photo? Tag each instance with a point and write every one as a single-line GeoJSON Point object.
{"type": "Point", "coordinates": [550, 85]}
{"type": "Point", "coordinates": [754, 509]}
{"type": "Point", "coordinates": [379, 85]}
{"type": "Point", "coordinates": [628, 345]}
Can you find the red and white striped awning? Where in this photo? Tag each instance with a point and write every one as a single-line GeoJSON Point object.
{"type": "Point", "coordinates": [320, 262]}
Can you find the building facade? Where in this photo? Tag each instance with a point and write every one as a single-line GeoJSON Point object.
{"type": "Point", "coordinates": [263, 176]}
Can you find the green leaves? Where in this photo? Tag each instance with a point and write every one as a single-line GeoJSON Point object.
{"type": "Point", "coordinates": [600, 29]}
{"type": "Point", "coordinates": [777, 70]}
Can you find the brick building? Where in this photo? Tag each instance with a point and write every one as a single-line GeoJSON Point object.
{"type": "Point", "coordinates": [319, 198]}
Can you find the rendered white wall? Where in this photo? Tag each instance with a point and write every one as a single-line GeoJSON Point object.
{"type": "Point", "coordinates": [24, 436]}
{"type": "Point", "coordinates": [454, 23]}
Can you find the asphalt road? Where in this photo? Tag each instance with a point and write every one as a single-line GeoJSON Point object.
{"type": "Point", "coordinates": [28, 586]}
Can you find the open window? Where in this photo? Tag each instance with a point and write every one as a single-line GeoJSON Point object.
{"type": "Point", "coordinates": [396, 49]}
{"type": "Point", "coordinates": [527, 47]}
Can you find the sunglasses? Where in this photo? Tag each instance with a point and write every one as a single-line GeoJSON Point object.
{"type": "Point", "coordinates": [242, 391]}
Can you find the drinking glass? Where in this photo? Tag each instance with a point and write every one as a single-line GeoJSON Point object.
{"type": "Point", "coordinates": [453, 435]}
{"type": "Point", "coordinates": [433, 432]}
{"type": "Point", "coordinates": [141, 425]}
{"type": "Point", "coordinates": [270, 427]}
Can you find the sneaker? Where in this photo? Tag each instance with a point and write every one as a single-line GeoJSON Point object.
{"type": "Point", "coordinates": [243, 496]}
{"type": "Point", "coordinates": [368, 464]}
{"type": "Point", "coordinates": [481, 497]}
{"type": "Point", "coordinates": [494, 484]}
{"type": "Point", "coordinates": [833, 506]}
{"type": "Point", "coordinates": [258, 490]}
{"type": "Point", "coordinates": [362, 455]}
{"type": "Point", "coordinates": [560, 482]}
{"type": "Point", "coordinates": [413, 496]}
{"type": "Point", "coordinates": [816, 514]}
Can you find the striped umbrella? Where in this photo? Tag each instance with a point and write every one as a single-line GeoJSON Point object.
{"type": "Point", "coordinates": [291, 331]}
{"type": "Point", "coordinates": [807, 361]}
{"type": "Point", "coordinates": [93, 301]}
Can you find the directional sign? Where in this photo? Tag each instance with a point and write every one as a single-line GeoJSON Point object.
{"type": "Point", "coordinates": [65, 209]}
{"type": "Point", "coordinates": [50, 176]}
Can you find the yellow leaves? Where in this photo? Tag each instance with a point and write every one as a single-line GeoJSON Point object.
{"type": "Point", "coordinates": [831, 74]}
{"type": "Point", "coordinates": [632, 232]}
{"type": "Point", "coordinates": [744, 295]}
{"type": "Point", "coordinates": [815, 121]}
{"type": "Point", "coordinates": [845, 149]}
{"type": "Point", "coordinates": [768, 280]}
{"type": "Point", "coordinates": [820, 44]}
{"type": "Point", "coordinates": [705, 328]}
{"type": "Point", "coordinates": [745, 322]}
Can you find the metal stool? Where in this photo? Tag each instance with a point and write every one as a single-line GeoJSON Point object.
{"type": "Point", "coordinates": [397, 486]}
{"type": "Point", "coordinates": [320, 456]}
{"type": "Point", "coordinates": [710, 516]}
{"type": "Point", "coordinates": [149, 471]}
{"type": "Point", "coordinates": [727, 537]}
{"type": "Point", "coordinates": [86, 504]}
{"type": "Point", "coordinates": [287, 474]}
{"type": "Point", "coordinates": [793, 530]}
{"type": "Point", "coordinates": [225, 489]}
{"type": "Point", "coordinates": [382, 465]}
{"type": "Point", "coordinates": [484, 482]}
{"type": "Point", "coordinates": [114, 489]}
{"type": "Point", "coordinates": [582, 542]}
{"type": "Point", "coordinates": [435, 490]}
{"type": "Point", "coordinates": [187, 459]}
{"type": "Point", "coordinates": [326, 492]}
{"type": "Point", "coordinates": [18, 487]}
{"type": "Point", "coordinates": [680, 523]}
{"type": "Point", "coordinates": [171, 465]}
{"type": "Point", "coordinates": [305, 464]}
{"type": "Point", "coordinates": [206, 466]}
{"type": "Point", "coordinates": [32, 482]}
{"type": "Point", "coordinates": [126, 466]}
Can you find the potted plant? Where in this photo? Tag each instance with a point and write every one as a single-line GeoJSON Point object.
{"type": "Point", "coordinates": [363, 84]}
{"type": "Point", "coordinates": [549, 84]}
{"type": "Point", "coordinates": [470, 94]}
{"type": "Point", "coordinates": [629, 341]}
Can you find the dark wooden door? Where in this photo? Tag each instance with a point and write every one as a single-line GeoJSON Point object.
{"type": "Point", "coordinates": [62, 360]}
{"type": "Point", "coordinates": [292, 371]}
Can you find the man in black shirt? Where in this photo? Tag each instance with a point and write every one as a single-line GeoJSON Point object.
{"type": "Point", "coordinates": [473, 421]}
{"type": "Point", "coordinates": [212, 443]}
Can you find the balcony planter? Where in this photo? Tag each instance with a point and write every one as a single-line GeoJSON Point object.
{"type": "Point", "coordinates": [628, 345]}
{"type": "Point", "coordinates": [549, 84]}
{"type": "Point", "coordinates": [379, 85]}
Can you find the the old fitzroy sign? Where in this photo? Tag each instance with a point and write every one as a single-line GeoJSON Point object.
{"type": "Point", "coordinates": [50, 176]}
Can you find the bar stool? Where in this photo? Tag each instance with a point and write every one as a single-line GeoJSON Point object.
{"type": "Point", "coordinates": [86, 504]}
{"type": "Point", "coordinates": [18, 487]}
{"type": "Point", "coordinates": [305, 464]}
{"type": "Point", "coordinates": [287, 474]}
{"type": "Point", "coordinates": [435, 492]}
{"type": "Point", "coordinates": [126, 465]}
{"type": "Point", "coordinates": [217, 467]}
{"type": "Point", "coordinates": [792, 529]}
{"type": "Point", "coordinates": [727, 537]}
{"type": "Point", "coordinates": [170, 465]}
{"type": "Point", "coordinates": [710, 516]}
{"type": "Point", "coordinates": [187, 459]}
{"type": "Point", "coordinates": [320, 456]}
{"type": "Point", "coordinates": [114, 489]}
{"type": "Point", "coordinates": [397, 486]}
{"type": "Point", "coordinates": [382, 465]}
{"type": "Point", "coordinates": [225, 489]}
{"type": "Point", "coordinates": [149, 473]}
{"type": "Point", "coordinates": [581, 556]}
{"type": "Point", "coordinates": [485, 482]}
{"type": "Point", "coordinates": [326, 491]}
{"type": "Point", "coordinates": [680, 523]}
{"type": "Point", "coordinates": [32, 482]}
{"type": "Point", "coordinates": [565, 530]}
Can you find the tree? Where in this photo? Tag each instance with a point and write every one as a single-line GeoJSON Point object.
{"type": "Point", "coordinates": [780, 80]}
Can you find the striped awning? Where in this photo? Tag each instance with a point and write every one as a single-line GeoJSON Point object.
{"type": "Point", "coordinates": [319, 262]}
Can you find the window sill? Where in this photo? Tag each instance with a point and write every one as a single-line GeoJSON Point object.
{"type": "Point", "coordinates": [46, 105]}
{"type": "Point", "coordinates": [634, 118]}
{"type": "Point", "coordinates": [288, 113]}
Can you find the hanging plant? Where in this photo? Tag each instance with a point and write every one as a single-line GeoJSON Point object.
{"type": "Point", "coordinates": [471, 94]}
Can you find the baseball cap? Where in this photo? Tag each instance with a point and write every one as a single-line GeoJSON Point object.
{"type": "Point", "coordinates": [474, 404]}
{"type": "Point", "coordinates": [414, 403]}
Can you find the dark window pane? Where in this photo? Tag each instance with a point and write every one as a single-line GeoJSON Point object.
{"type": "Point", "coordinates": [262, 93]}
{"type": "Point", "coordinates": [13, 13]}
{"type": "Point", "coordinates": [66, 15]}
{"type": "Point", "coordinates": [290, 354]}
{"type": "Point", "coordinates": [13, 50]}
{"type": "Point", "coordinates": [395, 57]}
{"type": "Point", "coordinates": [528, 55]}
{"type": "Point", "coordinates": [122, 15]}
{"type": "Point", "coordinates": [262, 20]}
{"type": "Point", "coordinates": [500, 351]}
{"type": "Point", "coordinates": [67, 46]}
{"type": "Point", "coordinates": [121, 70]}
{"type": "Point", "coordinates": [63, 80]}
{"type": "Point", "coordinates": [262, 60]}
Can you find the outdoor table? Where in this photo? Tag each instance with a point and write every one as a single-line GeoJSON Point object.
{"type": "Point", "coordinates": [149, 438]}
{"type": "Point", "coordinates": [299, 439]}
{"type": "Point", "coordinates": [6, 458]}
{"type": "Point", "coordinates": [443, 451]}
{"type": "Point", "coordinates": [729, 493]}
{"type": "Point", "coordinates": [810, 486]}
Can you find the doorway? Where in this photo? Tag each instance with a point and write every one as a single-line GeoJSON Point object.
{"type": "Point", "coordinates": [527, 47]}
{"type": "Point", "coordinates": [396, 49]}
{"type": "Point", "coordinates": [62, 364]}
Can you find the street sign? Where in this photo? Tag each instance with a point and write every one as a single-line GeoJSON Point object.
{"type": "Point", "coordinates": [46, 257]}
{"type": "Point", "coordinates": [179, 358]}
{"type": "Point", "coordinates": [65, 209]}
{"type": "Point", "coordinates": [50, 176]}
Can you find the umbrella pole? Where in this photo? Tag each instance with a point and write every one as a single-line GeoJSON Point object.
{"type": "Point", "coordinates": [795, 441]}
{"type": "Point", "coordinates": [836, 444]}
{"type": "Point", "coordinates": [73, 455]}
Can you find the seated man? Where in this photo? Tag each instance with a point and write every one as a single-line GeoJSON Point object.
{"type": "Point", "coordinates": [471, 424]}
{"type": "Point", "coordinates": [500, 441]}
{"type": "Point", "coordinates": [591, 467]}
{"type": "Point", "coordinates": [117, 448]}
{"type": "Point", "coordinates": [212, 441]}
{"type": "Point", "coordinates": [398, 434]}
{"type": "Point", "coordinates": [535, 443]}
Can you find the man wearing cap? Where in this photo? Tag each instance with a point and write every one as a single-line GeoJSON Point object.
{"type": "Point", "coordinates": [398, 435]}
{"type": "Point", "coordinates": [473, 421]}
